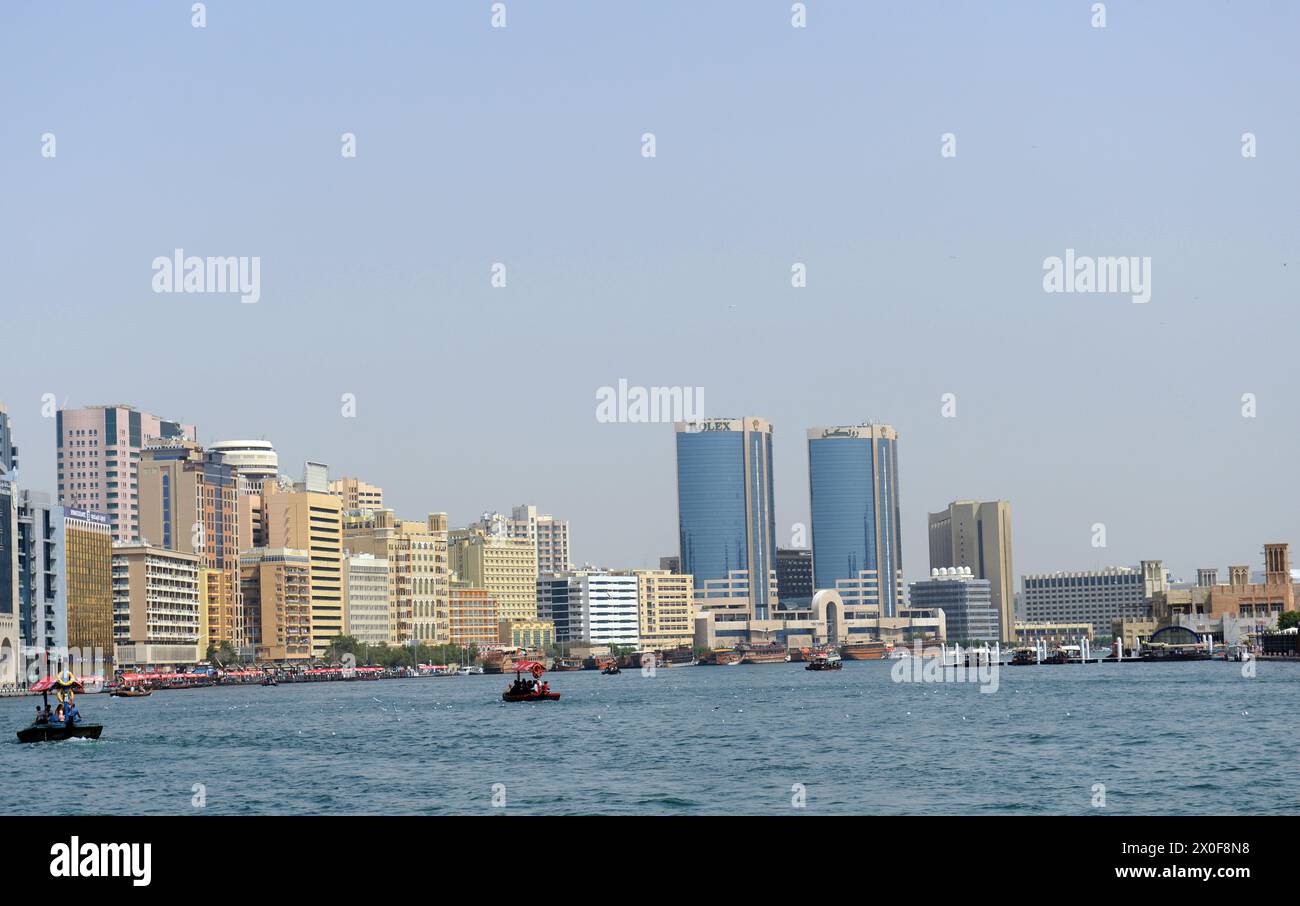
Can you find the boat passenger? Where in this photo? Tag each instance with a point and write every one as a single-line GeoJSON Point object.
{"type": "Point", "coordinates": [58, 713]}
{"type": "Point", "coordinates": [41, 716]}
{"type": "Point", "coordinates": [546, 687]}
{"type": "Point", "coordinates": [74, 715]}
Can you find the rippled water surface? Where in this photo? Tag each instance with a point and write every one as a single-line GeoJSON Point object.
{"type": "Point", "coordinates": [1182, 738]}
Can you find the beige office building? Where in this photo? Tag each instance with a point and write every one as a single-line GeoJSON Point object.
{"type": "Point", "coordinates": [277, 591]}
{"type": "Point", "coordinates": [365, 598]}
{"type": "Point", "coordinates": [357, 495]}
{"type": "Point", "coordinates": [473, 616]}
{"type": "Point", "coordinates": [312, 521]}
{"type": "Point", "coordinates": [977, 535]}
{"type": "Point", "coordinates": [156, 609]}
{"type": "Point", "coordinates": [506, 567]}
{"type": "Point", "coordinates": [418, 571]}
{"type": "Point", "coordinates": [666, 608]}
{"type": "Point", "coordinates": [190, 502]}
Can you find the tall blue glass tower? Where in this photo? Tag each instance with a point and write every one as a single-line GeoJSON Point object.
{"type": "Point", "coordinates": [853, 486]}
{"type": "Point", "coordinates": [724, 504]}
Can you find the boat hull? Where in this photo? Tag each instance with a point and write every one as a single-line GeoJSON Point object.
{"type": "Point", "coordinates": [868, 652]}
{"type": "Point", "coordinates": [46, 733]}
{"type": "Point", "coordinates": [530, 697]}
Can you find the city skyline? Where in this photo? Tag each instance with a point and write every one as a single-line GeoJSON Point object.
{"type": "Point", "coordinates": [775, 146]}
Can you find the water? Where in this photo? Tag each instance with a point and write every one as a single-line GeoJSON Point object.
{"type": "Point", "coordinates": [1192, 738]}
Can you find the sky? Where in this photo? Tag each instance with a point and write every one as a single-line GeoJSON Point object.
{"type": "Point", "coordinates": [774, 145]}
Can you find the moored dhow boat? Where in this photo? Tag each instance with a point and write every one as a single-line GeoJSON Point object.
{"type": "Point", "coordinates": [131, 692]}
{"type": "Point", "coordinates": [565, 664]}
{"type": "Point", "coordinates": [522, 690]}
{"type": "Point", "coordinates": [721, 657]}
{"type": "Point", "coordinates": [65, 721]}
{"type": "Point", "coordinates": [825, 662]}
{"type": "Point", "coordinates": [866, 650]}
{"type": "Point", "coordinates": [773, 653]}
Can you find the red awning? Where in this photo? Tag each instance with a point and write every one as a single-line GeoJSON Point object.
{"type": "Point", "coordinates": [529, 666]}
{"type": "Point", "coordinates": [49, 682]}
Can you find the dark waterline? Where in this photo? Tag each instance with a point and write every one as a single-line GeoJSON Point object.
{"type": "Point", "coordinates": [1193, 738]}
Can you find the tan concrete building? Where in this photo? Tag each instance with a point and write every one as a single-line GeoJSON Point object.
{"type": "Point", "coordinates": [418, 569]}
{"type": "Point", "coordinates": [666, 608]}
{"type": "Point", "coordinates": [357, 494]}
{"type": "Point", "coordinates": [156, 608]}
{"type": "Point", "coordinates": [312, 521]}
{"type": "Point", "coordinates": [190, 502]}
{"type": "Point", "coordinates": [1239, 598]}
{"type": "Point", "coordinates": [365, 598]}
{"type": "Point", "coordinates": [474, 619]}
{"type": "Point", "coordinates": [978, 536]}
{"type": "Point", "coordinates": [533, 635]}
{"type": "Point", "coordinates": [506, 567]}
{"type": "Point", "coordinates": [276, 586]}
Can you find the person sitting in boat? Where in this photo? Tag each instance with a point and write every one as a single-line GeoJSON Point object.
{"type": "Point", "coordinates": [41, 716]}
{"type": "Point", "coordinates": [58, 714]}
{"type": "Point", "coordinates": [74, 715]}
{"type": "Point", "coordinates": [546, 687]}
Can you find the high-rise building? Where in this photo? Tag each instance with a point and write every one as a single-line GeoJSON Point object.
{"type": "Point", "coordinates": [86, 589]}
{"type": "Point", "coordinates": [794, 577]}
{"type": "Point", "coordinates": [590, 605]}
{"type": "Point", "coordinates": [156, 609]}
{"type": "Point", "coordinates": [966, 602]}
{"type": "Point", "coordinates": [666, 609]}
{"type": "Point", "coordinates": [473, 616]}
{"type": "Point", "coordinates": [357, 495]}
{"type": "Point", "coordinates": [10, 594]}
{"type": "Point", "coordinates": [506, 567]}
{"type": "Point", "coordinates": [312, 521]}
{"type": "Point", "coordinates": [99, 452]}
{"type": "Point", "coordinates": [8, 452]}
{"type": "Point", "coordinates": [1096, 596]}
{"type": "Point", "coordinates": [256, 460]}
{"type": "Point", "coordinates": [856, 525]}
{"type": "Point", "coordinates": [365, 598]}
{"type": "Point", "coordinates": [190, 502]}
{"type": "Point", "coordinates": [42, 609]}
{"type": "Point", "coordinates": [726, 517]}
{"type": "Point", "coordinates": [275, 584]}
{"type": "Point", "coordinates": [977, 535]}
{"type": "Point", "coordinates": [550, 535]}
{"type": "Point", "coordinates": [419, 572]}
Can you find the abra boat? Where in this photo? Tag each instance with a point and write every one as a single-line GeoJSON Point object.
{"type": "Point", "coordinates": [611, 670]}
{"type": "Point", "coordinates": [131, 692]}
{"type": "Point", "coordinates": [270, 681]}
{"type": "Point", "coordinates": [46, 728]}
{"type": "Point", "coordinates": [825, 662]}
{"type": "Point", "coordinates": [522, 690]}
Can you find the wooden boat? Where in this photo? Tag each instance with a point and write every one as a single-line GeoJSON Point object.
{"type": "Point", "coordinates": [826, 662]}
{"type": "Point", "coordinates": [270, 681]}
{"type": "Point", "coordinates": [720, 657]}
{"type": "Point", "coordinates": [45, 729]}
{"type": "Point", "coordinates": [518, 691]}
{"type": "Point", "coordinates": [132, 692]}
{"type": "Point", "coordinates": [865, 650]}
{"type": "Point", "coordinates": [52, 732]}
{"type": "Point", "coordinates": [611, 670]}
{"type": "Point", "coordinates": [764, 654]}
{"type": "Point", "coordinates": [565, 664]}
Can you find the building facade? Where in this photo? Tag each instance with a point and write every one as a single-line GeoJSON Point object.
{"type": "Point", "coordinates": [666, 609]}
{"type": "Point", "coordinates": [794, 576]}
{"type": "Point", "coordinates": [99, 452]}
{"type": "Point", "coordinates": [357, 494]}
{"type": "Point", "coordinates": [190, 502]}
{"type": "Point", "coordinates": [1098, 597]}
{"type": "Point", "coordinates": [856, 523]}
{"type": "Point", "coordinates": [977, 536]}
{"type": "Point", "coordinates": [312, 521]}
{"type": "Point", "coordinates": [365, 598]}
{"type": "Point", "coordinates": [966, 602]}
{"type": "Point", "coordinates": [474, 620]}
{"type": "Point", "coordinates": [86, 590]}
{"type": "Point", "coordinates": [276, 588]}
{"type": "Point", "coordinates": [11, 641]}
{"type": "Point", "coordinates": [593, 606]}
{"type": "Point", "coordinates": [156, 606]}
{"type": "Point", "coordinates": [726, 515]}
{"type": "Point", "coordinates": [506, 567]}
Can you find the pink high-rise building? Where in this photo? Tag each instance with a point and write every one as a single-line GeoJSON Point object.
{"type": "Point", "coordinates": [99, 458]}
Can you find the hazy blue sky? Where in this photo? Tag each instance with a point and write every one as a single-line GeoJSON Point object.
{"type": "Point", "coordinates": [775, 145]}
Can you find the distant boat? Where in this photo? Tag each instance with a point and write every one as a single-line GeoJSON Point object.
{"type": "Point", "coordinates": [826, 662]}
{"type": "Point", "coordinates": [471, 670]}
{"type": "Point", "coordinates": [132, 692]}
{"type": "Point", "coordinates": [611, 670]}
{"type": "Point", "coordinates": [866, 650]}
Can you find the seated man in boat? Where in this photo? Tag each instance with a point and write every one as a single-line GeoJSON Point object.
{"type": "Point", "coordinates": [41, 716]}
{"type": "Point", "coordinates": [74, 715]}
{"type": "Point", "coordinates": [546, 687]}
